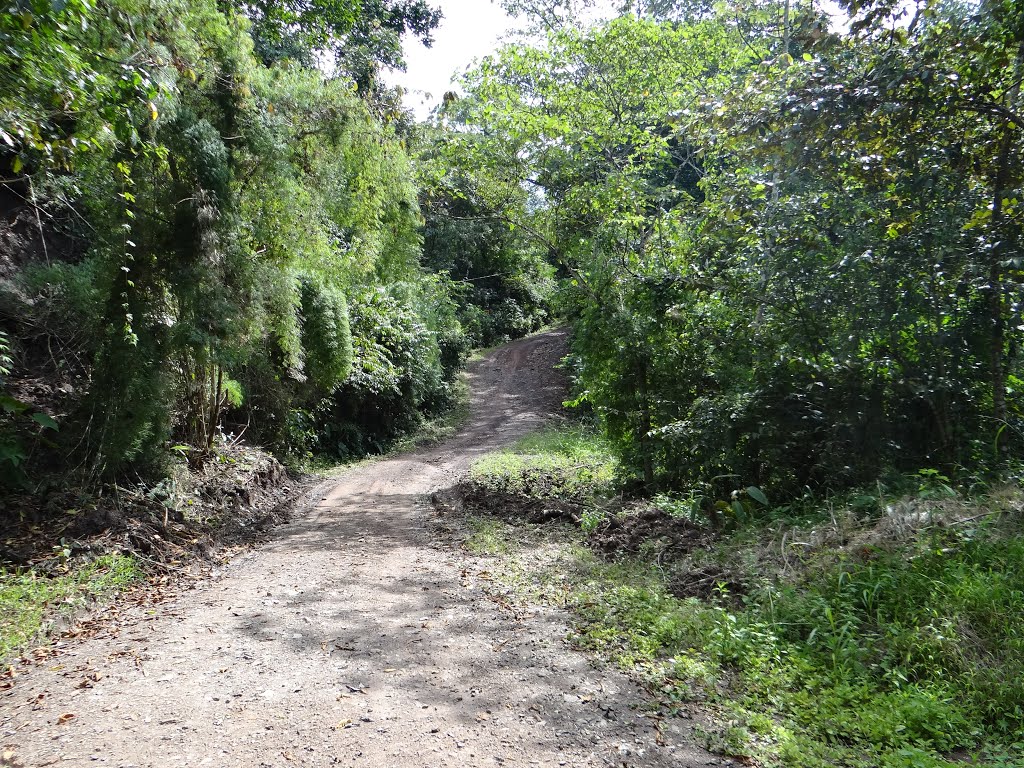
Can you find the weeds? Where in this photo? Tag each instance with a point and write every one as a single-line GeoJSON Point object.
{"type": "Point", "coordinates": [885, 633]}
{"type": "Point", "coordinates": [567, 463]}
{"type": "Point", "coordinates": [488, 537]}
{"type": "Point", "coordinates": [862, 664]}
{"type": "Point", "coordinates": [27, 598]}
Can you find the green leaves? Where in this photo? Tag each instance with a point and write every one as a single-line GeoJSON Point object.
{"type": "Point", "coordinates": [757, 495]}
{"type": "Point", "coordinates": [12, 405]}
{"type": "Point", "coordinates": [45, 421]}
{"type": "Point", "coordinates": [780, 249]}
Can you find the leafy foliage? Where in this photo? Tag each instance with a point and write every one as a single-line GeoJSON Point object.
{"type": "Point", "coordinates": [502, 285]}
{"type": "Point", "coordinates": [362, 35]}
{"type": "Point", "coordinates": [230, 211]}
{"type": "Point", "coordinates": [26, 596]}
{"type": "Point", "coordinates": [842, 639]}
{"type": "Point", "coordinates": [792, 252]}
{"type": "Point", "coordinates": [325, 336]}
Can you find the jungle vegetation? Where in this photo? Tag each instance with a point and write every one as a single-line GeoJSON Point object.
{"type": "Point", "coordinates": [790, 247]}
{"type": "Point", "coordinates": [787, 235]}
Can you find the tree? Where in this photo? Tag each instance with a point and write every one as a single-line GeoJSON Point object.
{"type": "Point", "coordinates": [792, 252]}
{"type": "Point", "coordinates": [589, 121]}
{"type": "Point", "coordinates": [227, 216]}
{"type": "Point", "coordinates": [362, 36]}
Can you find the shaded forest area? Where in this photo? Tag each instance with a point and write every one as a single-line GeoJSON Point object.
{"type": "Point", "coordinates": [790, 248]}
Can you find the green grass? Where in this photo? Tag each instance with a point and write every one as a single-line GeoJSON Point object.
{"type": "Point", "coordinates": [895, 662]}
{"type": "Point", "coordinates": [488, 536]}
{"type": "Point", "coordinates": [566, 461]}
{"type": "Point", "coordinates": [28, 600]}
{"type": "Point", "coordinates": [883, 658]}
{"type": "Point", "coordinates": [859, 649]}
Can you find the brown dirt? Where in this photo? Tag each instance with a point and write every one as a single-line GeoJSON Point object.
{"type": "Point", "coordinates": [352, 638]}
{"type": "Point", "coordinates": [234, 498]}
{"type": "Point", "coordinates": [630, 529]}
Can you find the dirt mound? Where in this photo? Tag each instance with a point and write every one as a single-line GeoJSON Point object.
{"type": "Point", "coordinates": [640, 526]}
{"type": "Point", "coordinates": [234, 498]}
{"type": "Point", "coordinates": [479, 499]}
{"type": "Point", "coordinates": [628, 529]}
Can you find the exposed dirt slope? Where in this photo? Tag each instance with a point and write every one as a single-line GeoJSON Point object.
{"type": "Point", "coordinates": [351, 639]}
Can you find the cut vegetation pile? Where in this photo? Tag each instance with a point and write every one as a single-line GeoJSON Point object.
{"type": "Point", "coordinates": [880, 632]}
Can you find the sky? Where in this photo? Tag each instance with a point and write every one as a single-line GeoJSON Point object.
{"type": "Point", "coordinates": [469, 30]}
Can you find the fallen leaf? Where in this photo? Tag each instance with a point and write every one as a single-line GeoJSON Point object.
{"type": "Point", "coordinates": [659, 733]}
{"type": "Point", "coordinates": [67, 717]}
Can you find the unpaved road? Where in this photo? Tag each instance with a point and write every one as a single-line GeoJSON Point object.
{"type": "Point", "coordinates": [351, 639]}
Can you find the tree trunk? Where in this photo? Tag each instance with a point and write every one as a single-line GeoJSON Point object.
{"type": "Point", "coordinates": [644, 427]}
{"type": "Point", "coordinates": [996, 302]}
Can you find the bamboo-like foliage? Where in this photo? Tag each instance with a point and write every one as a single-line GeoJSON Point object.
{"type": "Point", "coordinates": [230, 208]}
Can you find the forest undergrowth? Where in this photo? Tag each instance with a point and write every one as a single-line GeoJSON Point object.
{"type": "Point", "coordinates": [880, 628]}
{"type": "Point", "coordinates": [66, 549]}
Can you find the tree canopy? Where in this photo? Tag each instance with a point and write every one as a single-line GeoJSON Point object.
{"type": "Point", "coordinates": [793, 252]}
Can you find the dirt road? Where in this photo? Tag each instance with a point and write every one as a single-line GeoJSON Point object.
{"type": "Point", "coordinates": [351, 639]}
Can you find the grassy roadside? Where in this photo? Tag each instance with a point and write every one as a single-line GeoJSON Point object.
{"type": "Point", "coordinates": [889, 637]}
{"type": "Point", "coordinates": [30, 601]}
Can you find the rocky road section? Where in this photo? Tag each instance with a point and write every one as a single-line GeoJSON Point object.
{"type": "Point", "coordinates": [352, 638]}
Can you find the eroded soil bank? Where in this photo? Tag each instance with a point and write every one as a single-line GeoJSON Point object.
{"type": "Point", "coordinates": [354, 637]}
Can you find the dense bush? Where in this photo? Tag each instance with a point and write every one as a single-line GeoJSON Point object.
{"type": "Point", "coordinates": [397, 378]}
{"type": "Point", "coordinates": [226, 212]}
{"type": "Point", "coordinates": [502, 284]}
{"type": "Point", "coordinates": [792, 252]}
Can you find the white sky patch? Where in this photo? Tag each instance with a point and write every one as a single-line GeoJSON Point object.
{"type": "Point", "coordinates": [470, 30]}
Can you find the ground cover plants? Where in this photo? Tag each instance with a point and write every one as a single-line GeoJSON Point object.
{"type": "Point", "coordinates": [567, 462]}
{"type": "Point", "coordinates": [66, 549]}
{"type": "Point", "coordinates": [831, 635]}
{"type": "Point", "coordinates": [30, 600]}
